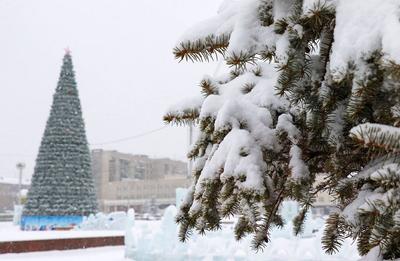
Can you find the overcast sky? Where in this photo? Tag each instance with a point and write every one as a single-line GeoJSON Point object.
{"type": "Point", "coordinates": [122, 54]}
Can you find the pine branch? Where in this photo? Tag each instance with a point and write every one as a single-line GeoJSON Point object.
{"type": "Point", "coordinates": [393, 70]}
{"type": "Point", "coordinates": [241, 60]}
{"type": "Point", "coordinates": [368, 79]}
{"type": "Point", "coordinates": [298, 221]}
{"type": "Point", "coordinates": [325, 105]}
{"type": "Point", "coordinates": [185, 117]}
{"type": "Point", "coordinates": [334, 234]}
{"type": "Point", "coordinates": [265, 13]}
{"type": "Point", "coordinates": [208, 87]}
{"type": "Point", "coordinates": [377, 136]}
{"type": "Point", "coordinates": [203, 49]}
{"type": "Point", "coordinates": [248, 87]}
{"type": "Point", "coordinates": [261, 237]}
{"type": "Point", "coordinates": [319, 17]}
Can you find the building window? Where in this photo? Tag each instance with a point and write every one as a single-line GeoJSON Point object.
{"type": "Point", "coordinates": [166, 169]}
{"type": "Point", "coordinates": [139, 170]}
{"type": "Point", "coordinates": [124, 169]}
{"type": "Point", "coordinates": [112, 169]}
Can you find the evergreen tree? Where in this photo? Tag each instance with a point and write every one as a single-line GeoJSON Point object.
{"type": "Point", "coordinates": [314, 88]}
{"type": "Point", "coordinates": [62, 183]}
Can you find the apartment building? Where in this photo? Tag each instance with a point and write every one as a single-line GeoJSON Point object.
{"type": "Point", "coordinates": [324, 202]}
{"type": "Point", "coordinates": [136, 181]}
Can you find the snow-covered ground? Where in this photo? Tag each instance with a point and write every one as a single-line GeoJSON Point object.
{"type": "Point", "coordinates": [93, 254]}
{"type": "Point", "coordinates": [157, 241]}
{"type": "Point", "coordinates": [9, 232]}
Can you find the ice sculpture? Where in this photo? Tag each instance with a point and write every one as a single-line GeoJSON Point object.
{"type": "Point", "coordinates": [157, 240]}
{"type": "Point", "coordinates": [130, 235]}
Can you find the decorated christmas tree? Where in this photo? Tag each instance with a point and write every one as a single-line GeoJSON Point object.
{"type": "Point", "coordinates": [314, 87]}
{"type": "Point", "coordinates": [62, 183]}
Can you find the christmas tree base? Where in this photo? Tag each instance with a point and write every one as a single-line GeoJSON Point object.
{"type": "Point", "coordinates": [42, 223]}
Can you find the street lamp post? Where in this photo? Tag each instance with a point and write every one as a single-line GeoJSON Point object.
{"type": "Point", "coordinates": [20, 166]}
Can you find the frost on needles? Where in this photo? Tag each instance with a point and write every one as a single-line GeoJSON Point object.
{"type": "Point", "coordinates": [313, 88]}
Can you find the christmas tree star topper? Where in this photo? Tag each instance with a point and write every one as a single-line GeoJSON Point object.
{"type": "Point", "coordinates": [67, 50]}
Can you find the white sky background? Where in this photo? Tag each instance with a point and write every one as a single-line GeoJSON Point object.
{"type": "Point", "coordinates": [126, 73]}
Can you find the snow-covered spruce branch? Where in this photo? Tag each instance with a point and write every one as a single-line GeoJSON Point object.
{"type": "Point", "coordinates": [329, 102]}
{"type": "Point", "coordinates": [377, 136]}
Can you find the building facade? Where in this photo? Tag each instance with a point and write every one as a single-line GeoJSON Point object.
{"type": "Point", "coordinates": [9, 193]}
{"type": "Point", "coordinates": [136, 181]}
{"type": "Point", "coordinates": [324, 202]}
